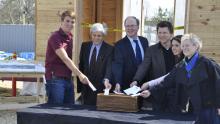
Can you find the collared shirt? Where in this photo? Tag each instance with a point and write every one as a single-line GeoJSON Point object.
{"type": "Point", "coordinates": [133, 44]}
{"type": "Point", "coordinates": [53, 64]}
{"type": "Point", "coordinates": [98, 46]}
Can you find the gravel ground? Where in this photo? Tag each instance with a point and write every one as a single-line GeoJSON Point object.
{"type": "Point", "coordinates": [8, 112]}
{"type": "Point", "coordinates": [8, 117]}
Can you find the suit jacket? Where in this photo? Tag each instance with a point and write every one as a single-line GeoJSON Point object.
{"type": "Point", "coordinates": [202, 87]}
{"type": "Point", "coordinates": [153, 64]}
{"type": "Point", "coordinates": [103, 70]}
{"type": "Point", "coordinates": [124, 63]}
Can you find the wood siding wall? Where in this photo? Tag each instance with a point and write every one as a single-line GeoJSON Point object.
{"type": "Point", "coordinates": [107, 11]}
{"type": "Point", "coordinates": [48, 21]}
{"type": "Point", "coordinates": [87, 11]}
{"type": "Point", "coordinates": [203, 19]}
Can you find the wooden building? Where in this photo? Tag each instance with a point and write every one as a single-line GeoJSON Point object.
{"type": "Point", "coordinates": [202, 18]}
{"type": "Point", "coordinates": [87, 11]}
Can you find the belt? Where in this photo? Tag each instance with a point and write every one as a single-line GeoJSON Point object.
{"type": "Point", "coordinates": [60, 78]}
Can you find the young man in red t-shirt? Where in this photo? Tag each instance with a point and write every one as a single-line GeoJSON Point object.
{"type": "Point", "coordinates": [59, 66]}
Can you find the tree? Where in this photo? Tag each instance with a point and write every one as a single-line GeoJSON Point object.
{"type": "Point", "coordinates": [17, 11]}
{"type": "Point", "coordinates": [160, 15]}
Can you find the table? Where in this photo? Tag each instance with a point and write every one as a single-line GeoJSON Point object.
{"type": "Point", "coordinates": [81, 114]}
{"type": "Point", "coordinates": [22, 69]}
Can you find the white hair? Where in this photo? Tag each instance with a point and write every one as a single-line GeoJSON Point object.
{"type": "Point", "coordinates": [193, 39]}
{"type": "Point", "coordinates": [98, 27]}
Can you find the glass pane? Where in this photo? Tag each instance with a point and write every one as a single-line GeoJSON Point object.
{"type": "Point", "coordinates": [154, 12]}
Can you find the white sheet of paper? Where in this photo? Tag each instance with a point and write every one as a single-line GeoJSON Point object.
{"type": "Point", "coordinates": [92, 87]}
{"type": "Point", "coordinates": [138, 94]}
{"type": "Point", "coordinates": [106, 92]}
{"type": "Point", "coordinates": [117, 92]}
{"type": "Point", "coordinates": [133, 90]}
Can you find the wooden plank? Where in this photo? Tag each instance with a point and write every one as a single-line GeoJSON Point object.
{"type": "Point", "coordinates": [119, 19]}
{"type": "Point", "coordinates": [114, 9]}
{"type": "Point", "coordinates": [89, 15]}
{"type": "Point", "coordinates": [205, 8]}
{"type": "Point", "coordinates": [203, 19]}
{"type": "Point", "coordinates": [19, 99]}
{"type": "Point", "coordinates": [55, 4]}
{"type": "Point", "coordinates": [47, 21]}
{"type": "Point", "coordinates": [203, 2]}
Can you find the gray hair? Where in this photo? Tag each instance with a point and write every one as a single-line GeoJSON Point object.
{"type": "Point", "coordinates": [192, 38]}
{"type": "Point", "coordinates": [98, 27]}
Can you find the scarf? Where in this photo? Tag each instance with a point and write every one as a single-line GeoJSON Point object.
{"type": "Point", "coordinates": [190, 65]}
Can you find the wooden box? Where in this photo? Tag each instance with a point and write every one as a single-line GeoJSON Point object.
{"type": "Point", "coordinates": [115, 102]}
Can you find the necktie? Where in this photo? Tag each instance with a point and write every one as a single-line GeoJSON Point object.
{"type": "Point", "coordinates": [93, 60]}
{"type": "Point", "coordinates": [138, 52]}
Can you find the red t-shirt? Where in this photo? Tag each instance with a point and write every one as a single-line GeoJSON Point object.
{"type": "Point", "coordinates": [53, 64]}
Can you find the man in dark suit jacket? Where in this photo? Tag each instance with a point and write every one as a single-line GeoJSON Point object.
{"type": "Point", "coordinates": [128, 54]}
{"type": "Point", "coordinates": [158, 61]}
{"type": "Point", "coordinates": [99, 70]}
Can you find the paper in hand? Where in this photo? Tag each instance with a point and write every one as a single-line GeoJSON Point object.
{"type": "Point", "coordinates": [117, 92]}
{"type": "Point", "coordinates": [138, 94]}
{"type": "Point", "coordinates": [92, 87]}
{"type": "Point", "coordinates": [106, 92]}
{"type": "Point", "coordinates": [133, 90]}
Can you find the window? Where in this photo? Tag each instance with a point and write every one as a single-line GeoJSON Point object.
{"type": "Point", "coordinates": [150, 12]}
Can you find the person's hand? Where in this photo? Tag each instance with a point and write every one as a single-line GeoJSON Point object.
{"type": "Point", "coordinates": [83, 79]}
{"type": "Point", "coordinates": [117, 88]}
{"type": "Point", "coordinates": [134, 83]}
{"type": "Point", "coordinates": [145, 86]}
{"type": "Point", "coordinates": [107, 84]}
{"type": "Point", "coordinates": [145, 94]}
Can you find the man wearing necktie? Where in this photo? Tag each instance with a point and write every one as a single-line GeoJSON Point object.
{"type": "Point", "coordinates": [92, 64]}
{"type": "Point", "coordinates": [95, 62]}
{"type": "Point", "coordinates": [138, 52]}
{"type": "Point", "coordinates": [128, 54]}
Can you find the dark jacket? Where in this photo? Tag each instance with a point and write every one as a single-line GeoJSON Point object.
{"type": "Point", "coordinates": [202, 88]}
{"type": "Point", "coordinates": [103, 70]}
{"type": "Point", "coordinates": [153, 64]}
{"type": "Point", "coordinates": [124, 63]}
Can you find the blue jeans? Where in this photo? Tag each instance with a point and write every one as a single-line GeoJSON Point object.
{"type": "Point", "coordinates": [60, 91]}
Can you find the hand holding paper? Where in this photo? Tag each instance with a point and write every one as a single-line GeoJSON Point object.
{"type": "Point", "coordinates": [91, 86]}
{"type": "Point", "coordinates": [133, 90]}
{"type": "Point", "coordinates": [138, 94]}
{"type": "Point", "coordinates": [106, 91]}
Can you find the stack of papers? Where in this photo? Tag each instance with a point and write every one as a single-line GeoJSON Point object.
{"type": "Point", "coordinates": [133, 91]}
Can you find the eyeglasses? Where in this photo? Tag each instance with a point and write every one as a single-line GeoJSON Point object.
{"type": "Point", "coordinates": [130, 26]}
